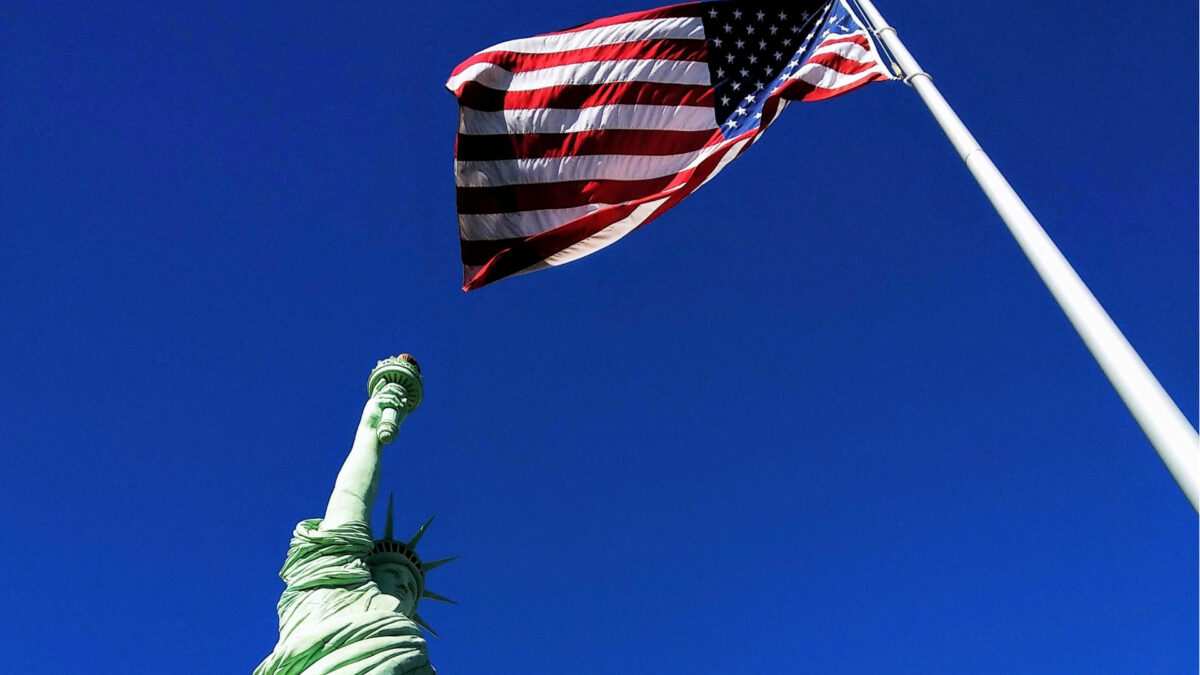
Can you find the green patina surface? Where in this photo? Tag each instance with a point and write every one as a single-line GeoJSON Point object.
{"type": "Point", "coordinates": [333, 619]}
{"type": "Point", "coordinates": [349, 603]}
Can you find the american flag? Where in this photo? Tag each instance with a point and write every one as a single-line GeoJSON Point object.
{"type": "Point", "coordinates": [570, 140]}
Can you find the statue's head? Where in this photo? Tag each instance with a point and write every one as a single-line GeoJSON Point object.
{"type": "Point", "coordinates": [399, 572]}
{"type": "Point", "coordinates": [398, 581]}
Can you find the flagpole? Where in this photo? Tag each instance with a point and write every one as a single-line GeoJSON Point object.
{"type": "Point", "coordinates": [1169, 431]}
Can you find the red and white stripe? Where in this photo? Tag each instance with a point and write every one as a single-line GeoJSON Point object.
{"type": "Point", "coordinates": [569, 141]}
{"type": "Point", "coordinates": [837, 65]}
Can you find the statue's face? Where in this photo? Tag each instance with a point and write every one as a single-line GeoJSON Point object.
{"type": "Point", "coordinates": [396, 580]}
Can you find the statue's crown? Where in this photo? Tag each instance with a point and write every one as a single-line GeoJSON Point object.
{"type": "Point", "coordinates": [390, 550]}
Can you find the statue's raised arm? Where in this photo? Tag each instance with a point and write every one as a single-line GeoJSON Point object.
{"type": "Point", "coordinates": [350, 602]}
{"type": "Point", "coordinates": [395, 389]}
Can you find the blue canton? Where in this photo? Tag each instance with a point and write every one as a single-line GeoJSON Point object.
{"type": "Point", "coordinates": [754, 47]}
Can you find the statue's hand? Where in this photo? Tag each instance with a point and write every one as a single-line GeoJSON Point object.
{"type": "Point", "coordinates": [388, 397]}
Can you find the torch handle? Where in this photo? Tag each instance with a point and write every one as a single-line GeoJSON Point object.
{"type": "Point", "coordinates": [389, 424]}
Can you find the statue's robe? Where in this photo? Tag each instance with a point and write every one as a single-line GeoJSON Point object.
{"type": "Point", "coordinates": [332, 618]}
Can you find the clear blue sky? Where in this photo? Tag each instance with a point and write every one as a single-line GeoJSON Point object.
{"type": "Point", "coordinates": [821, 417]}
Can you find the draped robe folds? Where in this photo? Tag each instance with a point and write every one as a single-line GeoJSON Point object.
{"type": "Point", "coordinates": [327, 625]}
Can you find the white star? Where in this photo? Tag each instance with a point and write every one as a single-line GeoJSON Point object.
{"type": "Point", "coordinates": [760, 15]}
{"type": "Point", "coordinates": [724, 100]}
{"type": "Point", "coordinates": [778, 55]}
{"type": "Point", "coordinates": [744, 72]}
{"type": "Point", "coordinates": [774, 30]}
{"type": "Point", "coordinates": [753, 59]}
{"type": "Point", "coordinates": [750, 30]}
{"type": "Point", "coordinates": [787, 42]}
{"type": "Point", "coordinates": [739, 112]}
{"type": "Point", "coordinates": [809, 36]}
{"type": "Point", "coordinates": [720, 72]}
{"type": "Point", "coordinates": [805, 16]}
{"type": "Point", "coordinates": [749, 98]}
{"type": "Point", "coordinates": [729, 57]}
{"type": "Point", "coordinates": [762, 44]}
{"type": "Point", "coordinates": [737, 13]}
{"type": "Point", "coordinates": [740, 43]}
{"type": "Point", "coordinates": [716, 42]}
{"type": "Point", "coordinates": [758, 116]}
{"type": "Point", "coordinates": [731, 124]}
{"type": "Point", "coordinates": [783, 16]}
{"type": "Point", "coordinates": [759, 85]}
{"type": "Point", "coordinates": [793, 63]}
{"type": "Point", "coordinates": [736, 85]}
{"type": "Point", "coordinates": [727, 27]}
{"type": "Point", "coordinates": [713, 12]}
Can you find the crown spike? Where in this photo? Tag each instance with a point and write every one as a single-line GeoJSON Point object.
{"type": "Point", "coordinates": [421, 622]}
{"type": "Point", "coordinates": [387, 528]}
{"type": "Point", "coordinates": [426, 566]}
{"type": "Point", "coordinates": [436, 596]}
{"type": "Point", "coordinates": [416, 538]}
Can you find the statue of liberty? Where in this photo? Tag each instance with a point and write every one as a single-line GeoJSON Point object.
{"type": "Point", "coordinates": [350, 603]}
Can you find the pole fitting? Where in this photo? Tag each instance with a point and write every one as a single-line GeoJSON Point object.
{"type": "Point", "coordinates": [919, 73]}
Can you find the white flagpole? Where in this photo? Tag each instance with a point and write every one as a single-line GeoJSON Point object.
{"type": "Point", "coordinates": [1168, 430]}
